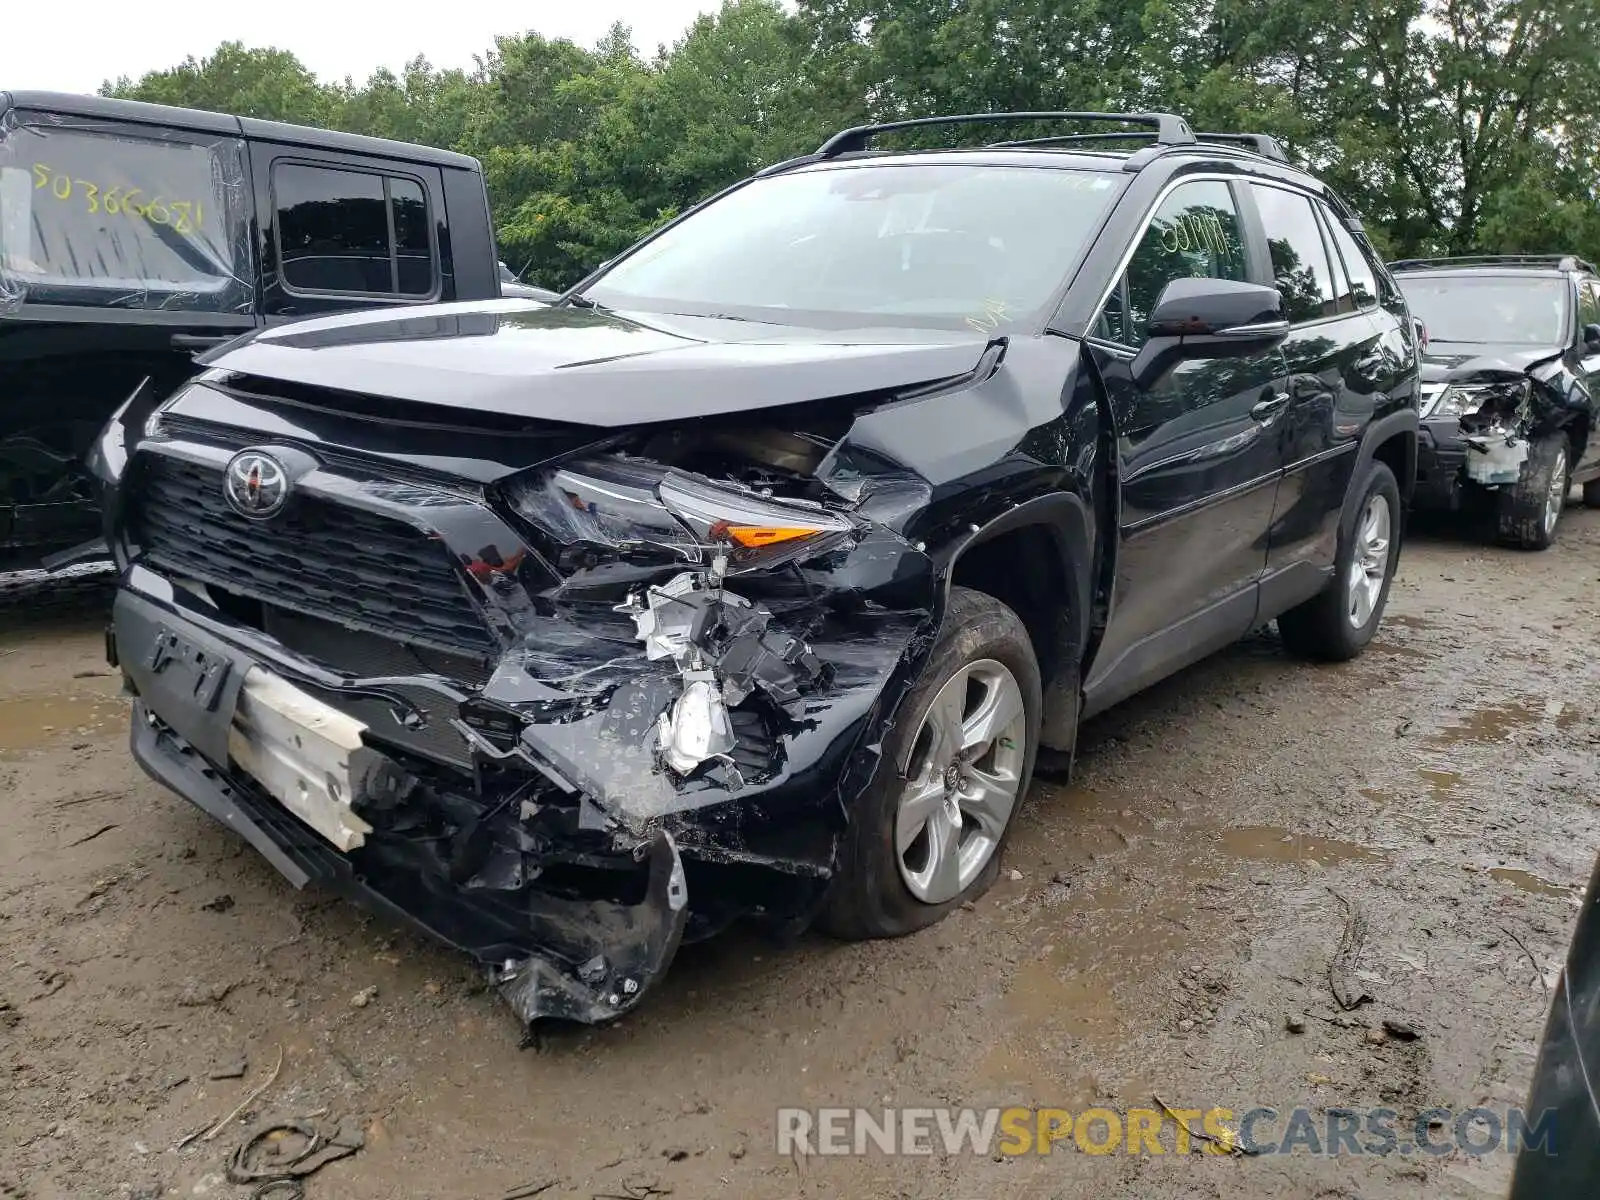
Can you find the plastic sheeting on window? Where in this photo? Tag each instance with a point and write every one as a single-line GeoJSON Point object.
{"type": "Point", "coordinates": [110, 215]}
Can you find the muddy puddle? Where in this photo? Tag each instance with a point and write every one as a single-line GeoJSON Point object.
{"type": "Point", "coordinates": [1264, 843]}
{"type": "Point", "coordinates": [1406, 620]}
{"type": "Point", "coordinates": [1491, 723]}
{"type": "Point", "coordinates": [1082, 991]}
{"type": "Point", "coordinates": [1525, 881]}
{"type": "Point", "coordinates": [1441, 783]}
{"type": "Point", "coordinates": [29, 722]}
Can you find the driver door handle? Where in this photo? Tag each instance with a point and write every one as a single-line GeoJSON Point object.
{"type": "Point", "coordinates": [1266, 410]}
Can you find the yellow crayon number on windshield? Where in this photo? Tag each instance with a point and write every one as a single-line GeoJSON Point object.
{"type": "Point", "coordinates": [182, 216]}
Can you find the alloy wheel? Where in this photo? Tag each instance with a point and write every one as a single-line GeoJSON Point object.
{"type": "Point", "coordinates": [962, 781]}
{"type": "Point", "coordinates": [1369, 565]}
{"type": "Point", "coordinates": [1556, 500]}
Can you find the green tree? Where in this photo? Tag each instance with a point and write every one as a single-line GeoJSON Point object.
{"type": "Point", "coordinates": [270, 84]}
{"type": "Point", "coordinates": [1452, 125]}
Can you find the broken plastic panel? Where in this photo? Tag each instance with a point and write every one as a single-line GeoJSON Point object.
{"type": "Point", "coordinates": [725, 653]}
{"type": "Point", "coordinates": [1496, 457]}
{"type": "Point", "coordinates": [697, 728]}
{"type": "Point", "coordinates": [612, 753]}
{"type": "Point", "coordinates": [113, 215]}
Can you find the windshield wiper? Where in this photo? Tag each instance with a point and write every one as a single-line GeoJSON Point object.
{"type": "Point", "coordinates": [585, 303]}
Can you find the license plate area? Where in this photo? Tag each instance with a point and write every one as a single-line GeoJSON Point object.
{"type": "Point", "coordinates": [189, 669]}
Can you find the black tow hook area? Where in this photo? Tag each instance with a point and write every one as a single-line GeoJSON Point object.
{"type": "Point", "coordinates": [621, 950]}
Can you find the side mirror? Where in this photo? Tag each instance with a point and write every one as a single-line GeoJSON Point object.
{"type": "Point", "coordinates": [1421, 331]}
{"type": "Point", "coordinates": [1591, 338]}
{"type": "Point", "coordinates": [1209, 318]}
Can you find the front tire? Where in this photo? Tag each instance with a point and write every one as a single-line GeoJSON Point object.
{"type": "Point", "coordinates": [927, 833]}
{"type": "Point", "coordinates": [1531, 509]}
{"type": "Point", "coordinates": [1336, 624]}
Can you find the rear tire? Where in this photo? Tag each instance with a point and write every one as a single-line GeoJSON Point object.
{"type": "Point", "coordinates": [1531, 509]}
{"type": "Point", "coordinates": [984, 655]}
{"type": "Point", "coordinates": [1591, 494]}
{"type": "Point", "coordinates": [1336, 624]}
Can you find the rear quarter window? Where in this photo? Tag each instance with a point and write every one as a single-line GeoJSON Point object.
{"type": "Point", "coordinates": [350, 232]}
{"type": "Point", "coordinates": [1358, 271]}
{"type": "Point", "coordinates": [103, 214]}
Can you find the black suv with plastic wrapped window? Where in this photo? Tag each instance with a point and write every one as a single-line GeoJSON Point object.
{"type": "Point", "coordinates": [752, 577]}
{"type": "Point", "coordinates": [133, 235]}
{"type": "Point", "coordinates": [1513, 345]}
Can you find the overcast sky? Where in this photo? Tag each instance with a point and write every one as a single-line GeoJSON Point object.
{"type": "Point", "coordinates": [75, 47]}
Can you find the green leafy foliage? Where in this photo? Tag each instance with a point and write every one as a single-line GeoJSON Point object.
{"type": "Point", "coordinates": [1453, 125]}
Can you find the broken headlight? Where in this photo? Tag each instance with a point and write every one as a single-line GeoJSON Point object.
{"type": "Point", "coordinates": [1465, 399]}
{"type": "Point", "coordinates": [755, 531]}
{"type": "Point", "coordinates": [632, 507]}
{"type": "Point", "coordinates": [603, 504]}
{"type": "Point", "coordinates": [727, 651]}
{"type": "Point", "coordinates": [1454, 401]}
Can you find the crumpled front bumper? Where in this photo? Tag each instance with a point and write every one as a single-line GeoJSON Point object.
{"type": "Point", "coordinates": [549, 955]}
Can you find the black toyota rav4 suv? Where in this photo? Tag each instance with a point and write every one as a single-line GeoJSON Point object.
{"type": "Point", "coordinates": [1513, 343]}
{"type": "Point", "coordinates": [752, 577]}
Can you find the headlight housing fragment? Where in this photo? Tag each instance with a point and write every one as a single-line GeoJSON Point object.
{"type": "Point", "coordinates": [631, 506]}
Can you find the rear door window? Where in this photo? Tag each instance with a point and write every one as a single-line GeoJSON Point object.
{"type": "Point", "coordinates": [97, 213]}
{"type": "Point", "coordinates": [1299, 257]}
{"type": "Point", "coordinates": [352, 233]}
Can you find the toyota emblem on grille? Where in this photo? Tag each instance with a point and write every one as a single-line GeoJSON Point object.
{"type": "Point", "coordinates": [255, 484]}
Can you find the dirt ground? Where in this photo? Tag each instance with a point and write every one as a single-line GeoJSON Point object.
{"type": "Point", "coordinates": [1160, 921]}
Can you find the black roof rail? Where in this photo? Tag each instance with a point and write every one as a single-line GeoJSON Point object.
{"type": "Point", "coordinates": [1170, 130]}
{"type": "Point", "coordinates": [787, 164]}
{"type": "Point", "coordinates": [1260, 143]}
{"type": "Point", "coordinates": [1562, 262]}
{"type": "Point", "coordinates": [1254, 143]}
{"type": "Point", "coordinates": [1110, 135]}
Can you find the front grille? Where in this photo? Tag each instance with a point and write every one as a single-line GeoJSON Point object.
{"type": "Point", "coordinates": [319, 558]}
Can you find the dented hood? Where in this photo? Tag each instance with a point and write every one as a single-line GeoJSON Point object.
{"type": "Point", "coordinates": [1457, 361]}
{"type": "Point", "coordinates": [593, 368]}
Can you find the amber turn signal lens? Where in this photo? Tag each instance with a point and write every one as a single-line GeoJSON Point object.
{"type": "Point", "coordinates": [753, 537]}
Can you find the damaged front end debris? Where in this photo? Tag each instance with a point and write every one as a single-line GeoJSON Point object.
{"type": "Point", "coordinates": [1498, 432]}
{"type": "Point", "coordinates": [724, 652]}
{"type": "Point", "coordinates": [686, 677]}
{"type": "Point", "coordinates": [1523, 422]}
{"type": "Point", "coordinates": [1505, 408]}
